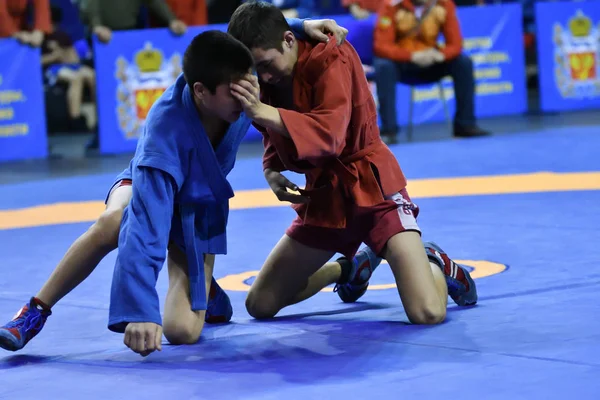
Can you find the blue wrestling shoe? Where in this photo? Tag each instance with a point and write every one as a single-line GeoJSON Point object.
{"type": "Point", "coordinates": [28, 322]}
{"type": "Point", "coordinates": [362, 267]}
{"type": "Point", "coordinates": [219, 308]}
{"type": "Point", "coordinates": [461, 287]}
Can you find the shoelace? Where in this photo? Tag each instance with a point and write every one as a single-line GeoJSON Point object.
{"type": "Point", "coordinates": [357, 272]}
{"type": "Point", "coordinates": [33, 321]}
{"type": "Point", "coordinates": [29, 320]}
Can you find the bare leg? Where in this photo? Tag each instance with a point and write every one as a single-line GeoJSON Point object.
{"type": "Point", "coordinates": [74, 91]}
{"type": "Point", "coordinates": [89, 78]}
{"type": "Point", "coordinates": [327, 275]}
{"type": "Point", "coordinates": [287, 277]}
{"type": "Point", "coordinates": [88, 250]}
{"type": "Point", "coordinates": [421, 284]}
{"type": "Point", "coordinates": [182, 325]}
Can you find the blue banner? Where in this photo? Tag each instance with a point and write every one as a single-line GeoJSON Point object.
{"type": "Point", "coordinates": [133, 70]}
{"type": "Point", "coordinates": [568, 44]}
{"type": "Point", "coordinates": [493, 38]}
{"type": "Point", "coordinates": [22, 112]}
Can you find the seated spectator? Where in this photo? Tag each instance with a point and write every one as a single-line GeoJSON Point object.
{"type": "Point", "coordinates": [406, 50]}
{"type": "Point", "coordinates": [62, 64]}
{"type": "Point", "coordinates": [104, 16]}
{"type": "Point", "coordinates": [13, 20]}
{"type": "Point", "coordinates": [362, 9]}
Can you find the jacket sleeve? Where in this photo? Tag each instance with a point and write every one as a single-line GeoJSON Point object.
{"type": "Point", "coordinates": [7, 24]}
{"type": "Point", "coordinates": [162, 10]}
{"type": "Point", "coordinates": [271, 159]}
{"type": "Point", "coordinates": [93, 13]}
{"type": "Point", "coordinates": [321, 133]}
{"type": "Point", "coordinates": [143, 243]}
{"type": "Point", "coordinates": [384, 38]}
{"type": "Point", "coordinates": [200, 13]}
{"type": "Point", "coordinates": [297, 26]}
{"type": "Point", "coordinates": [452, 33]}
{"type": "Point", "coordinates": [41, 16]}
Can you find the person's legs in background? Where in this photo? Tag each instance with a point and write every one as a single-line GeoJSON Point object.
{"type": "Point", "coordinates": [386, 76]}
{"type": "Point", "coordinates": [460, 69]}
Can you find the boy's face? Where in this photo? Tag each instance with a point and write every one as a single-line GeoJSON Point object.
{"type": "Point", "coordinates": [274, 66]}
{"type": "Point", "coordinates": [222, 104]}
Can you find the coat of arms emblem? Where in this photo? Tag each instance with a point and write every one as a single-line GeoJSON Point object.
{"type": "Point", "coordinates": [577, 57]}
{"type": "Point", "coordinates": [140, 84]}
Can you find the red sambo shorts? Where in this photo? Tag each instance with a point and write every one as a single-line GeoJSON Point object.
{"type": "Point", "coordinates": [116, 185]}
{"type": "Point", "coordinates": [373, 226]}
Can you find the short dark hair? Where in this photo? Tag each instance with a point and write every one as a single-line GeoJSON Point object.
{"type": "Point", "coordinates": [259, 25]}
{"type": "Point", "coordinates": [215, 57]}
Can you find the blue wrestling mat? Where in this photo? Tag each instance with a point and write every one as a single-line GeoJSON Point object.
{"type": "Point", "coordinates": [522, 210]}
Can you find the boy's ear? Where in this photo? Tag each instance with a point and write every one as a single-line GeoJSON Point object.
{"type": "Point", "coordinates": [199, 90]}
{"type": "Point", "coordinates": [289, 39]}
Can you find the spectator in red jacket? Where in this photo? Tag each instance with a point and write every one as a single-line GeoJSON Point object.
{"type": "Point", "coordinates": [190, 12]}
{"type": "Point", "coordinates": [406, 50]}
{"type": "Point", "coordinates": [61, 64]}
{"type": "Point", "coordinates": [13, 20]}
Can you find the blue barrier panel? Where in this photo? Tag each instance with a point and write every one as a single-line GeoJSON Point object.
{"type": "Point", "coordinates": [493, 38]}
{"type": "Point", "coordinates": [22, 112]}
{"type": "Point", "coordinates": [568, 45]}
{"type": "Point", "coordinates": [360, 34]}
{"type": "Point", "coordinates": [137, 66]}
{"type": "Point", "coordinates": [132, 71]}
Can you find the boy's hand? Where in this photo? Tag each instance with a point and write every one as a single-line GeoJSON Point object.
{"type": "Point", "coordinates": [36, 38]}
{"type": "Point", "coordinates": [280, 184]}
{"type": "Point", "coordinates": [426, 58]}
{"type": "Point", "coordinates": [23, 37]}
{"type": "Point", "coordinates": [319, 28]}
{"type": "Point", "coordinates": [438, 56]}
{"type": "Point", "coordinates": [178, 27]}
{"type": "Point", "coordinates": [247, 91]}
{"type": "Point", "coordinates": [143, 337]}
{"type": "Point", "coordinates": [104, 34]}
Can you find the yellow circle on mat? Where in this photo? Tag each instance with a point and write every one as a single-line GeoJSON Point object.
{"type": "Point", "coordinates": [481, 269]}
{"type": "Point", "coordinates": [538, 182]}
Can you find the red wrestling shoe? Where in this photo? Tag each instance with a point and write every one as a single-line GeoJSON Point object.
{"type": "Point", "coordinates": [461, 287]}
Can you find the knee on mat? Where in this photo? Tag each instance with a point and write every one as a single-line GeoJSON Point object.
{"type": "Point", "coordinates": [106, 229]}
{"type": "Point", "coordinates": [260, 307]}
{"type": "Point", "coordinates": [181, 333]}
{"type": "Point", "coordinates": [426, 315]}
